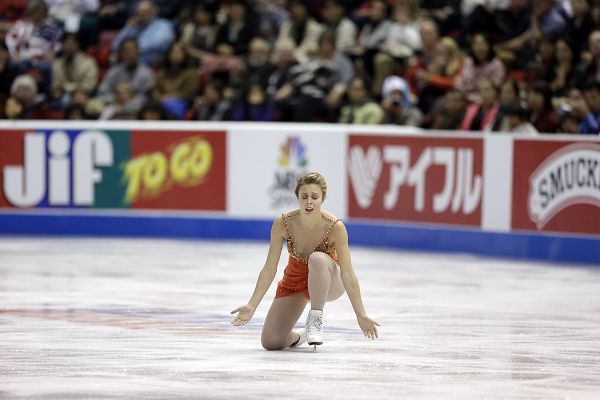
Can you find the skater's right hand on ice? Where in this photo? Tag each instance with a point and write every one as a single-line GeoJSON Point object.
{"type": "Point", "coordinates": [368, 326]}
{"type": "Point", "coordinates": [245, 313]}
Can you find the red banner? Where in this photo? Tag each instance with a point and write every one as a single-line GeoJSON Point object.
{"type": "Point", "coordinates": [177, 170]}
{"type": "Point", "coordinates": [12, 153]}
{"type": "Point", "coordinates": [420, 179]}
{"type": "Point", "coordinates": [556, 186]}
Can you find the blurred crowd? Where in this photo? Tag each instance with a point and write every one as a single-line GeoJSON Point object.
{"type": "Point", "coordinates": [524, 66]}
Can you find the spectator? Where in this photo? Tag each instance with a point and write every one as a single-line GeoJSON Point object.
{"type": "Point", "coordinates": [75, 112]}
{"type": "Point", "coordinates": [589, 110]}
{"type": "Point", "coordinates": [429, 39]}
{"type": "Point", "coordinates": [254, 106]}
{"type": "Point", "coordinates": [500, 23]}
{"type": "Point", "coordinates": [282, 62]}
{"type": "Point", "coordinates": [234, 36]}
{"type": "Point", "coordinates": [446, 14]}
{"type": "Point", "coordinates": [396, 104]}
{"type": "Point", "coordinates": [481, 116]}
{"type": "Point", "coordinates": [271, 15]}
{"type": "Point", "coordinates": [315, 89]}
{"type": "Point", "coordinates": [212, 104]}
{"type": "Point", "coordinates": [362, 109]}
{"type": "Point", "coordinates": [34, 41]}
{"type": "Point", "coordinates": [231, 43]}
{"type": "Point", "coordinates": [481, 64]}
{"type": "Point", "coordinates": [516, 118]}
{"type": "Point", "coordinates": [403, 41]}
{"type": "Point", "coordinates": [580, 25]}
{"type": "Point", "coordinates": [198, 36]}
{"type": "Point", "coordinates": [130, 70]}
{"type": "Point", "coordinates": [547, 19]}
{"type": "Point", "coordinates": [588, 71]}
{"type": "Point", "coordinates": [77, 16]}
{"type": "Point", "coordinates": [74, 73]}
{"type": "Point", "coordinates": [450, 113]}
{"type": "Point", "coordinates": [257, 67]}
{"type": "Point", "coordinates": [153, 111]}
{"type": "Point", "coordinates": [541, 65]}
{"type": "Point", "coordinates": [509, 94]}
{"type": "Point", "coordinates": [153, 34]}
{"type": "Point", "coordinates": [564, 68]}
{"type": "Point", "coordinates": [302, 29]}
{"type": "Point", "coordinates": [539, 102]}
{"type": "Point", "coordinates": [568, 122]}
{"type": "Point", "coordinates": [35, 37]}
{"type": "Point", "coordinates": [70, 12]}
{"type": "Point", "coordinates": [176, 82]}
{"type": "Point", "coordinates": [440, 74]}
{"type": "Point", "coordinates": [124, 104]}
{"type": "Point", "coordinates": [23, 102]}
{"type": "Point", "coordinates": [334, 19]}
{"type": "Point", "coordinates": [8, 73]}
{"type": "Point", "coordinates": [372, 36]}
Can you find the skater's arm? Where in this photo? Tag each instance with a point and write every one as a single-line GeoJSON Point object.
{"type": "Point", "coordinates": [265, 277]}
{"type": "Point", "coordinates": [350, 281]}
{"type": "Point", "coordinates": [349, 278]}
{"type": "Point", "coordinates": [267, 274]}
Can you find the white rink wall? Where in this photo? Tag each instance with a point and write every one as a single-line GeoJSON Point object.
{"type": "Point", "coordinates": [491, 194]}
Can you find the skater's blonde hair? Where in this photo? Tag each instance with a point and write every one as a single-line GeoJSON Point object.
{"type": "Point", "coordinates": [312, 178]}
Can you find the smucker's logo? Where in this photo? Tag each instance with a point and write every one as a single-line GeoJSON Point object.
{"type": "Point", "coordinates": [569, 176]}
{"type": "Point", "coordinates": [292, 164]}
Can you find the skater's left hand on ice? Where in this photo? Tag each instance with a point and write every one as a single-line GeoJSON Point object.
{"type": "Point", "coordinates": [368, 326]}
{"type": "Point", "coordinates": [245, 314]}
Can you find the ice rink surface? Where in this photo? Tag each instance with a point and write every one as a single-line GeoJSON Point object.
{"type": "Point", "coordinates": [149, 319]}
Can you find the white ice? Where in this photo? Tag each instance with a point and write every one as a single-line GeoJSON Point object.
{"type": "Point", "coordinates": [149, 319]}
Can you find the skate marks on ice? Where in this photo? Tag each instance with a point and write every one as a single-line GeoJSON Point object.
{"type": "Point", "coordinates": [149, 319]}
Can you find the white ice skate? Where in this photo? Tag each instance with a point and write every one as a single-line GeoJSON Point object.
{"type": "Point", "coordinates": [302, 339]}
{"type": "Point", "coordinates": [314, 328]}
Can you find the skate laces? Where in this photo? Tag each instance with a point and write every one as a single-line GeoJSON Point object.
{"type": "Point", "coordinates": [315, 321]}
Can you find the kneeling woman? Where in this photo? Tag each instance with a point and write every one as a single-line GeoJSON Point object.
{"type": "Point", "coordinates": [319, 270]}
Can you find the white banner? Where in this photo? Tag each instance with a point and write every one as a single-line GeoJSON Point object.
{"type": "Point", "coordinates": [264, 166]}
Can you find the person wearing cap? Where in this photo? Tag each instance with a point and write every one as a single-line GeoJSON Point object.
{"type": "Point", "coordinates": [397, 105]}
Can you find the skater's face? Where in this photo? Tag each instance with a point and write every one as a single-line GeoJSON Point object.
{"type": "Point", "coordinates": [310, 199]}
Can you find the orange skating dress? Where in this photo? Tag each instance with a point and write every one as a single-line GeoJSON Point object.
{"type": "Point", "coordinates": [295, 274]}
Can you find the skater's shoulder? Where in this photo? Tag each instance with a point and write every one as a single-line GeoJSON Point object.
{"type": "Point", "coordinates": [290, 214]}
{"type": "Point", "coordinates": [338, 230]}
{"type": "Point", "coordinates": [330, 217]}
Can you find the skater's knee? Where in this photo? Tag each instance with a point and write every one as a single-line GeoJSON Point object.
{"type": "Point", "coordinates": [318, 259]}
{"type": "Point", "coordinates": [271, 342]}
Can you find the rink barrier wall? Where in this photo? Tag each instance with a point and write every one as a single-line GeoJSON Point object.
{"type": "Point", "coordinates": [536, 247]}
{"type": "Point", "coordinates": [394, 187]}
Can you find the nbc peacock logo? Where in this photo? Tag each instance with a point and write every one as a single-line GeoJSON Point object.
{"type": "Point", "coordinates": [291, 164]}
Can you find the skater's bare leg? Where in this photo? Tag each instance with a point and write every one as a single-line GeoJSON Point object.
{"type": "Point", "coordinates": [324, 280]}
{"type": "Point", "coordinates": [282, 316]}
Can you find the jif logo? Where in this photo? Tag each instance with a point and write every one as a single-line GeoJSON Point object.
{"type": "Point", "coordinates": [27, 185]}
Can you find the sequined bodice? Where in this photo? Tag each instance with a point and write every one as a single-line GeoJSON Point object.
{"type": "Point", "coordinates": [317, 239]}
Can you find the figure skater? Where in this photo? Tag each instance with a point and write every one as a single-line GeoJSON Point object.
{"type": "Point", "coordinates": [318, 270]}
